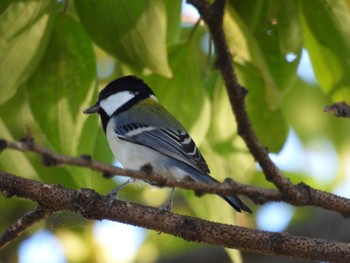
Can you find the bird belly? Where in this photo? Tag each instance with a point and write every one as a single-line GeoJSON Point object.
{"type": "Point", "coordinates": [134, 156]}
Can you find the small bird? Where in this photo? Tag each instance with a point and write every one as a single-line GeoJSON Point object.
{"type": "Point", "coordinates": [143, 135]}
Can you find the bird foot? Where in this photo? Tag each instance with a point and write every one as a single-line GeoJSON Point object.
{"type": "Point", "coordinates": [114, 193]}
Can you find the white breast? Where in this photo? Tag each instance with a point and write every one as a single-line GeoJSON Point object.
{"type": "Point", "coordinates": [131, 155]}
{"type": "Point", "coordinates": [134, 156]}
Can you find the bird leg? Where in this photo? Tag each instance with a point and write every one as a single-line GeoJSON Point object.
{"type": "Point", "coordinates": [113, 194]}
{"type": "Point", "coordinates": [168, 206]}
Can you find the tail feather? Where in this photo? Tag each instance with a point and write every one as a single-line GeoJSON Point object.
{"type": "Point", "coordinates": [233, 200]}
{"type": "Point", "coordinates": [197, 175]}
{"type": "Point", "coordinates": [236, 203]}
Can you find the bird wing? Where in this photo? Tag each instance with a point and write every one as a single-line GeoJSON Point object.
{"type": "Point", "coordinates": [176, 144]}
{"type": "Point", "coordinates": [173, 142]}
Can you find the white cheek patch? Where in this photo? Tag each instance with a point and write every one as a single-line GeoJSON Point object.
{"type": "Point", "coordinates": [114, 102]}
{"type": "Point", "coordinates": [153, 97]}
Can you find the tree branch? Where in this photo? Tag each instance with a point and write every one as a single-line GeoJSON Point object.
{"type": "Point", "coordinates": [339, 109]}
{"type": "Point", "coordinates": [306, 194]}
{"type": "Point", "coordinates": [27, 220]}
{"type": "Point", "coordinates": [50, 158]}
{"type": "Point", "coordinates": [213, 17]}
{"type": "Point", "coordinates": [94, 206]}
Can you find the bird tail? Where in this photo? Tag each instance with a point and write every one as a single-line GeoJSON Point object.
{"type": "Point", "coordinates": [233, 200]}
{"type": "Point", "coordinates": [236, 203]}
{"type": "Point", "coordinates": [197, 175]}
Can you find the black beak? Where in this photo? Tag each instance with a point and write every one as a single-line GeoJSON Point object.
{"type": "Point", "coordinates": [93, 109]}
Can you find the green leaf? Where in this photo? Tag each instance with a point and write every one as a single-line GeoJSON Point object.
{"type": "Point", "coordinates": [10, 159]}
{"type": "Point", "coordinates": [173, 11]}
{"type": "Point", "coordinates": [25, 28]}
{"type": "Point", "coordinates": [16, 121]}
{"type": "Point", "coordinates": [133, 31]}
{"type": "Point", "coordinates": [269, 125]}
{"type": "Point", "coordinates": [225, 151]}
{"type": "Point", "coordinates": [266, 35]}
{"type": "Point", "coordinates": [223, 125]}
{"type": "Point", "coordinates": [184, 94]}
{"type": "Point", "coordinates": [327, 38]}
{"type": "Point", "coordinates": [63, 85]}
{"type": "Point", "coordinates": [306, 118]}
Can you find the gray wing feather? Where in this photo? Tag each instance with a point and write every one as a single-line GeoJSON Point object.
{"type": "Point", "coordinates": [176, 144]}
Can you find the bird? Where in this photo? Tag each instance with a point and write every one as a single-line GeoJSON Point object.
{"type": "Point", "coordinates": [144, 136]}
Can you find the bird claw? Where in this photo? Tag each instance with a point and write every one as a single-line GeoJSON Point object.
{"type": "Point", "coordinates": [168, 206]}
{"type": "Point", "coordinates": [112, 198]}
{"type": "Point", "coordinates": [114, 193]}
{"type": "Point", "coordinates": [165, 208]}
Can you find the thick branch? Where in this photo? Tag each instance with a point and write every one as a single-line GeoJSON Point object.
{"type": "Point", "coordinates": [94, 206]}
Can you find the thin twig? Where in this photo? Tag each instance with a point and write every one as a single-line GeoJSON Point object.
{"type": "Point", "coordinates": [339, 109]}
{"type": "Point", "coordinates": [54, 159]}
{"type": "Point", "coordinates": [306, 195]}
{"type": "Point", "coordinates": [27, 220]}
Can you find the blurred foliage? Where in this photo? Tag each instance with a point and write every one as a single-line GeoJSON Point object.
{"type": "Point", "coordinates": [55, 56]}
